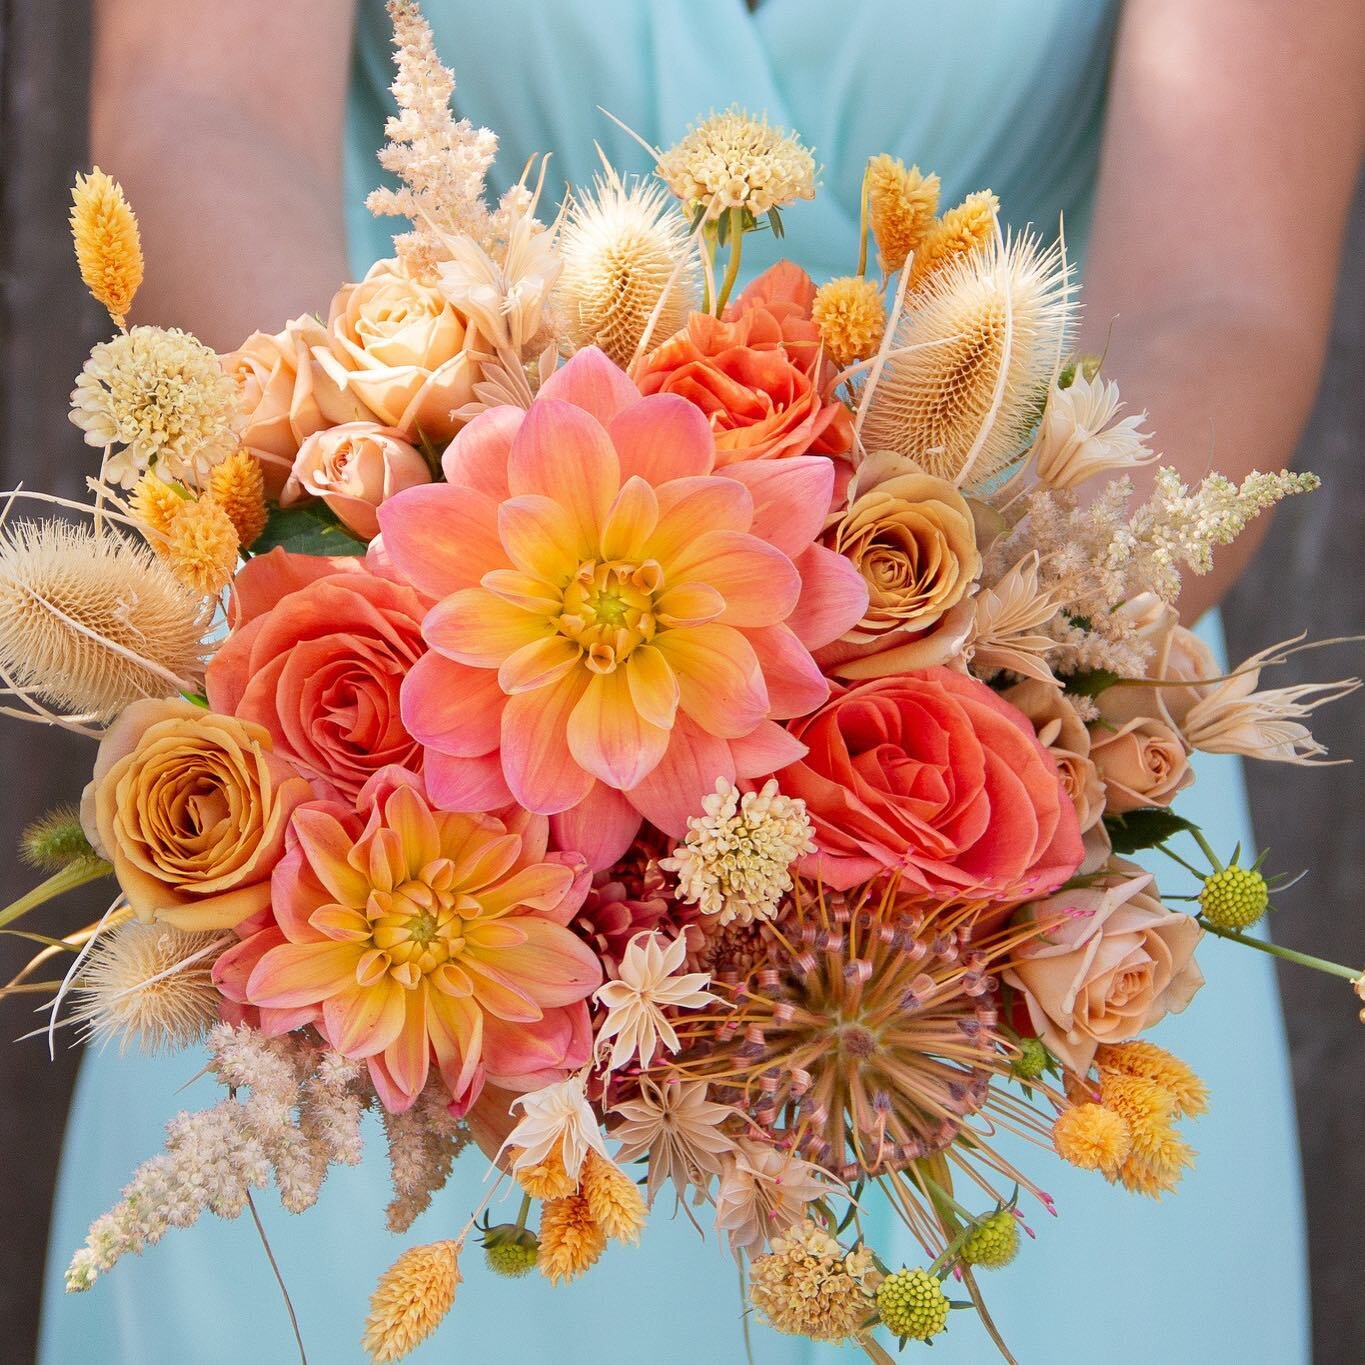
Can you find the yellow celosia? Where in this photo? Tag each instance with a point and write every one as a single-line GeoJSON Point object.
{"type": "Point", "coordinates": [963, 229]}
{"type": "Point", "coordinates": [614, 1201]}
{"type": "Point", "coordinates": [851, 315]}
{"type": "Point", "coordinates": [547, 1179]}
{"type": "Point", "coordinates": [238, 487]}
{"type": "Point", "coordinates": [901, 205]}
{"type": "Point", "coordinates": [1092, 1137]}
{"type": "Point", "coordinates": [1157, 1170]}
{"type": "Point", "coordinates": [154, 505]}
{"type": "Point", "coordinates": [201, 546]}
{"type": "Point", "coordinates": [108, 245]}
{"type": "Point", "coordinates": [1141, 1058]}
{"type": "Point", "coordinates": [571, 1239]}
{"type": "Point", "coordinates": [411, 1298]}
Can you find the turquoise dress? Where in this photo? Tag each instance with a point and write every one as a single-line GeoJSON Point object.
{"type": "Point", "coordinates": [995, 92]}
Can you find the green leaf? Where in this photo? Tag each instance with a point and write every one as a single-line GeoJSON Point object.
{"type": "Point", "coordinates": [1091, 682]}
{"type": "Point", "coordinates": [310, 529]}
{"type": "Point", "coordinates": [1145, 828]}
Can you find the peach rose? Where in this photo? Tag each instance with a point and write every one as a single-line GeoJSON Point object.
{"type": "Point", "coordinates": [191, 809]}
{"type": "Point", "coordinates": [286, 395]}
{"type": "Point", "coordinates": [913, 538]}
{"type": "Point", "coordinates": [1141, 763]}
{"type": "Point", "coordinates": [1064, 735]}
{"type": "Point", "coordinates": [401, 348]}
{"type": "Point", "coordinates": [353, 468]}
{"type": "Point", "coordinates": [1116, 964]}
{"type": "Point", "coordinates": [318, 651]}
{"type": "Point", "coordinates": [933, 776]}
{"type": "Point", "coordinates": [758, 374]}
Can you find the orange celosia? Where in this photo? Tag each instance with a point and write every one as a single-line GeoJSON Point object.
{"type": "Point", "coordinates": [613, 1198]}
{"type": "Point", "coordinates": [571, 1239]}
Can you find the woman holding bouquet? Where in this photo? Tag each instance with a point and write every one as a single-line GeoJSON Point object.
{"type": "Point", "coordinates": [1202, 160]}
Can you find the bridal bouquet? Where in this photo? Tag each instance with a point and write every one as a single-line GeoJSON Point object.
{"type": "Point", "coordinates": [667, 741]}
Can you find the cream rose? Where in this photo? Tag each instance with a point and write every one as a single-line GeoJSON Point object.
{"type": "Point", "coordinates": [403, 350]}
{"type": "Point", "coordinates": [191, 809]}
{"type": "Point", "coordinates": [913, 539]}
{"type": "Point", "coordinates": [353, 468]}
{"type": "Point", "coordinates": [1116, 963]}
{"type": "Point", "coordinates": [1141, 762]}
{"type": "Point", "coordinates": [285, 395]}
{"type": "Point", "coordinates": [1063, 733]}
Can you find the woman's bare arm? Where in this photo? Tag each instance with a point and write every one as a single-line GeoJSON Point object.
{"type": "Point", "coordinates": [224, 121]}
{"type": "Point", "coordinates": [1232, 146]}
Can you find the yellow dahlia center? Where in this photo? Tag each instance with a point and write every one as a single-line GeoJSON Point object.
{"type": "Point", "coordinates": [417, 927]}
{"type": "Point", "coordinates": [609, 608]}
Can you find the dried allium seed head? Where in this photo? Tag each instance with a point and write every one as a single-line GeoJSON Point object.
{"type": "Point", "coordinates": [90, 621]}
{"type": "Point", "coordinates": [986, 331]}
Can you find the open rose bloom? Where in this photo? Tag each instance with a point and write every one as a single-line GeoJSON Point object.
{"type": "Point", "coordinates": [716, 771]}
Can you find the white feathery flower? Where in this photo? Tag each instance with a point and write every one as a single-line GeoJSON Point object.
{"type": "Point", "coordinates": [555, 1115]}
{"type": "Point", "coordinates": [1079, 438]}
{"type": "Point", "coordinates": [1008, 615]}
{"type": "Point", "coordinates": [646, 985]}
{"type": "Point", "coordinates": [735, 862]}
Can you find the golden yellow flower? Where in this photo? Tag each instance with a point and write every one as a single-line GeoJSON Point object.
{"type": "Point", "coordinates": [1157, 1170]}
{"type": "Point", "coordinates": [154, 505]}
{"type": "Point", "coordinates": [1144, 1106]}
{"type": "Point", "coordinates": [201, 546]}
{"type": "Point", "coordinates": [571, 1239]}
{"type": "Point", "coordinates": [901, 205]}
{"type": "Point", "coordinates": [545, 1179]}
{"type": "Point", "coordinates": [1141, 1058]}
{"type": "Point", "coordinates": [1092, 1137]}
{"type": "Point", "coordinates": [108, 245]}
{"type": "Point", "coordinates": [960, 231]}
{"type": "Point", "coordinates": [851, 315]}
{"type": "Point", "coordinates": [614, 1200]}
{"type": "Point", "coordinates": [238, 487]}
{"type": "Point", "coordinates": [412, 1297]}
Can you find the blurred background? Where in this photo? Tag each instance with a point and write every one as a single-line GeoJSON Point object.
{"type": "Point", "coordinates": [1308, 576]}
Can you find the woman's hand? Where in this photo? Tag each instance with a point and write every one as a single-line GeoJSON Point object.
{"type": "Point", "coordinates": [1232, 145]}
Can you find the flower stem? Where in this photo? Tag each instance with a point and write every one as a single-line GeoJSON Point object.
{"type": "Point", "coordinates": [1318, 964]}
{"type": "Point", "coordinates": [73, 875]}
{"type": "Point", "coordinates": [736, 253]}
{"type": "Point", "coordinates": [524, 1212]}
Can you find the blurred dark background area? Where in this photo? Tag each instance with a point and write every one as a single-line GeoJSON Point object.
{"type": "Point", "coordinates": [1308, 576]}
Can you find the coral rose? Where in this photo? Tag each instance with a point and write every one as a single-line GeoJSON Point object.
{"type": "Point", "coordinates": [913, 538]}
{"type": "Point", "coordinates": [318, 652]}
{"type": "Point", "coordinates": [1115, 964]}
{"type": "Point", "coordinates": [401, 348]}
{"type": "Point", "coordinates": [285, 395]}
{"type": "Point", "coordinates": [758, 375]}
{"type": "Point", "coordinates": [932, 776]}
{"type": "Point", "coordinates": [191, 809]}
{"type": "Point", "coordinates": [353, 468]}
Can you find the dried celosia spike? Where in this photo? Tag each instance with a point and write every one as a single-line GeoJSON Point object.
{"type": "Point", "coordinates": [108, 244]}
{"type": "Point", "coordinates": [571, 1239]}
{"type": "Point", "coordinates": [974, 349]}
{"type": "Point", "coordinates": [900, 205]}
{"type": "Point", "coordinates": [1092, 1137]}
{"type": "Point", "coordinates": [201, 546]}
{"type": "Point", "coordinates": [90, 621]}
{"type": "Point", "coordinates": [613, 1198]}
{"type": "Point", "coordinates": [629, 267]}
{"type": "Point", "coordinates": [850, 313]}
{"type": "Point", "coordinates": [412, 1297]}
{"type": "Point", "coordinates": [153, 505]}
{"type": "Point", "coordinates": [238, 487]}
{"type": "Point", "coordinates": [1142, 1058]}
{"type": "Point", "coordinates": [963, 229]}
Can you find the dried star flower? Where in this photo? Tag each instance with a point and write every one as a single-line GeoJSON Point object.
{"type": "Point", "coordinates": [809, 1286]}
{"type": "Point", "coordinates": [762, 1192]}
{"type": "Point", "coordinates": [962, 230]}
{"type": "Point", "coordinates": [733, 160]}
{"type": "Point", "coordinates": [411, 1299]}
{"type": "Point", "coordinates": [149, 984]}
{"type": "Point", "coordinates": [630, 270]}
{"type": "Point", "coordinates": [673, 1124]}
{"type": "Point", "coordinates": [1079, 437]}
{"type": "Point", "coordinates": [646, 985]}
{"type": "Point", "coordinates": [734, 862]}
{"type": "Point", "coordinates": [571, 1239]}
{"type": "Point", "coordinates": [556, 1116]}
{"type": "Point", "coordinates": [108, 244]}
{"type": "Point", "coordinates": [90, 621]}
{"type": "Point", "coordinates": [1007, 632]}
{"type": "Point", "coordinates": [901, 205]}
{"type": "Point", "coordinates": [851, 315]}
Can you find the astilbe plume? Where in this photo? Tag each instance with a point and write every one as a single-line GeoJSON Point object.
{"type": "Point", "coordinates": [90, 620]}
{"type": "Point", "coordinates": [423, 1144]}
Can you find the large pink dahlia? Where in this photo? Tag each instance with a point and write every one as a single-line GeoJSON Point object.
{"type": "Point", "coordinates": [619, 623]}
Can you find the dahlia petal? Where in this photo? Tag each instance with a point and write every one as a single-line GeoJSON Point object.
{"type": "Point", "coordinates": [795, 684]}
{"type": "Point", "coordinates": [564, 454]}
{"type": "Point", "coordinates": [474, 627]}
{"type": "Point", "coordinates": [688, 508]}
{"type": "Point", "coordinates": [663, 437]}
{"type": "Point", "coordinates": [760, 584]}
{"type": "Point", "coordinates": [673, 792]}
{"type": "Point", "coordinates": [365, 1019]}
{"type": "Point", "coordinates": [339, 924]}
{"type": "Point", "coordinates": [486, 862]}
{"type": "Point", "coordinates": [409, 817]}
{"type": "Point", "coordinates": [466, 783]}
{"type": "Point", "coordinates": [766, 750]}
{"type": "Point", "coordinates": [497, 993]}
{"type": "Point", "coordinates": [407, 1058]}
{"type": "Point", "coordinates": [539, 887]}
{"type": "Point", "coordinates": [455, 1027]}
{"type": "Point", "coordinates": [720, 683]}
{"type": "Point", "coordinates": [441, 538]}
{"type": "Point", "coordinates": [600, 827]}
{"type": "Point", "coordinates": [538, 664]}
{"type": "Point", "coordinates": [591, 382]}
{"type": "Point", "coordinates": [689, 604]}
{"type": "Point", "coordinates": [552, 967]}
{"type": "Point", "coordinates": [521, 1057]}
{"type": "Point", "coordinates": [631, 520]}
{"type": "Point", "coordinates": [833, 597]}
{"type": "Point", "coordinates": [541, 537]}
{"type": "Point", "coordinates": [452, 707]}
{"type": "Point", "coordinates": [477, 457]}
{"type": "Point", "coordinates": [326, 844]}
{"type": "Point", "coordinates": [653, 688]}
{"type": "Point", "coordinates": [791, 498]}
{"type": "Point", "coordinates": [609, 737]}
{"type": "Point", "coordinates": [541, 772]}
{"type": "Point", "coordinates": [522, 590]}
{"type": "Point", "coordinates": [302, 974]}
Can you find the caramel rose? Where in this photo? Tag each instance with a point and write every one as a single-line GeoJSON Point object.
{"type": "Point", "coordinates": [191, 809]}
{"type": "Point", "coordinates": [1064, 735]}
{"type": "Point", "coordinates": [1141, 762]}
